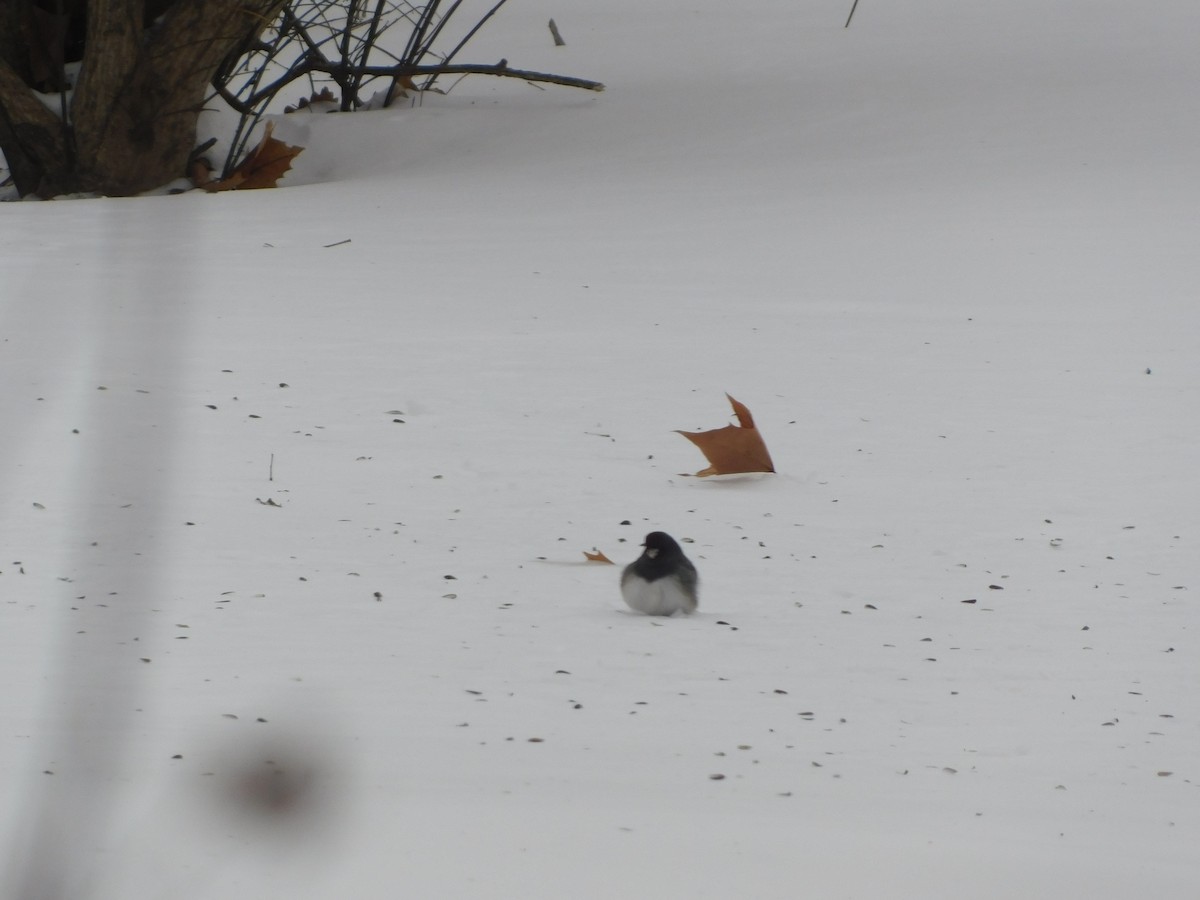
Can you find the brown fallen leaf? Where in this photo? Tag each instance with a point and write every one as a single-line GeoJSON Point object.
{"type": "Point", "coordinates": [262, 167]}
{"type": "Point", "coordinates": [200, 172]}
{"type": "Point", "coordinates": [401, 88]}
{"type": "Point", "coordinates": [733, 449]}
{"type": "Point", "coordinates": [323, 99]}
{"type": "Point", "coordinates": [598, 557]}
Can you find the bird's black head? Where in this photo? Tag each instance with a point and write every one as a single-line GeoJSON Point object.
{"type": "Point", "coordinates": [659, 544]}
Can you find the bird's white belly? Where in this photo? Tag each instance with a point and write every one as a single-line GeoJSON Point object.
{"type": "Point", "coordinates": [655, 598]}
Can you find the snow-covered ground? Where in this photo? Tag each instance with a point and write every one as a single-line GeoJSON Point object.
{"type": "Point", "coordinates": [296, 483]}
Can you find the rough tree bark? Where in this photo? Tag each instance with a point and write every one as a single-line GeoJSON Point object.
{"type": "Point", "coordinates": [145, 70]}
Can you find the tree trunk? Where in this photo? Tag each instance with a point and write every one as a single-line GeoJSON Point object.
{"type": "Point", "coordinates": [132, 118]}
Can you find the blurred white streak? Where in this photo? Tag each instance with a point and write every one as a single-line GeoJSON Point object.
{"type": "Point", "coordinates": [128, 330]}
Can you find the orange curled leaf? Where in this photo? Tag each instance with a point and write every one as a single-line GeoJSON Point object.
{"type": "Point", "coordinates": [262, 167]}
{"type": "Point", "coordinates": [598, 557]}
{"type": "Point", "coordinates": [733, 449]}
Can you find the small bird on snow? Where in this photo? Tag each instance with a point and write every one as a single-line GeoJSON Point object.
{"type": "Point", "coordinates": [662, 581]}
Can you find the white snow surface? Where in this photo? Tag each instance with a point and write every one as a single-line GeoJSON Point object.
{"type": "Point", "coordinates": [296, 484]}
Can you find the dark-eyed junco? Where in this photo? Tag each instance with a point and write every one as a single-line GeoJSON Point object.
{"type": "Point", "coordinates": [662, 581]}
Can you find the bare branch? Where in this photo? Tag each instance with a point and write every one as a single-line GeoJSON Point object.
{"type": "Point", "coordinates": [340, 72]}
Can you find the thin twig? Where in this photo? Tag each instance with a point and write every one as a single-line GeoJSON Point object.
{"type": "Point", "coordinates": [417, 37]}
{"type": "Point", "coordinates": [425, 47]}
{"type": "Point", "coordinates": [470, 34]}
{"type": "Point", "coordinates": [851, 16]}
